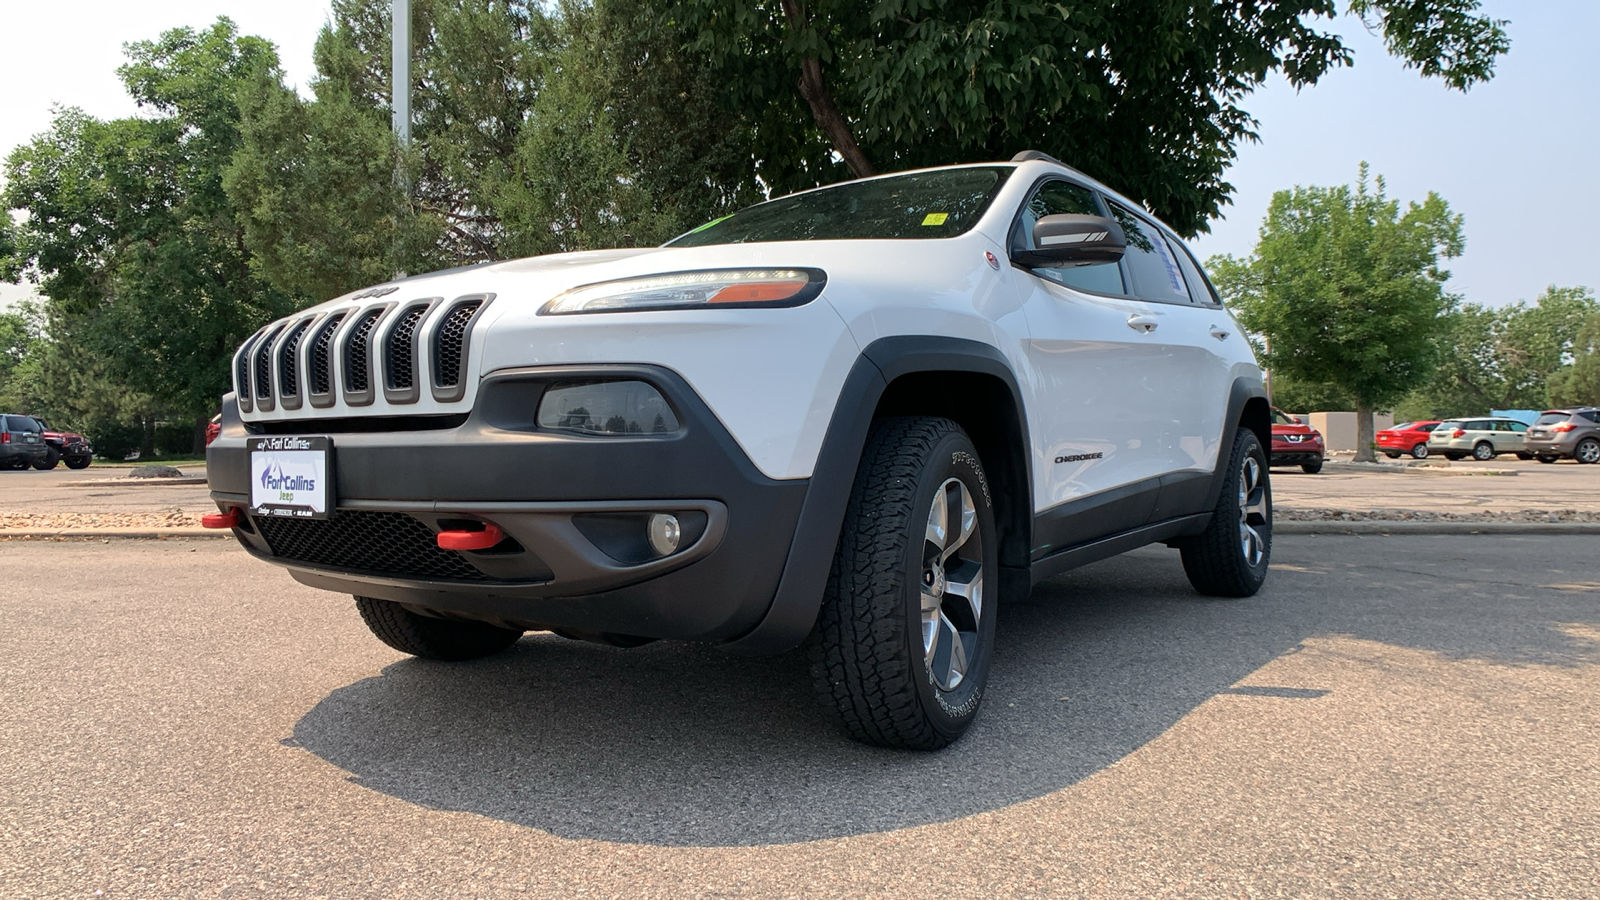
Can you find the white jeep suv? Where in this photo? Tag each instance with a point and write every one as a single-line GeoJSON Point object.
{"type": "Point", "coordinates": [859, 417]}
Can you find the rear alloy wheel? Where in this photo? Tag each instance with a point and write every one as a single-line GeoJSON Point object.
{"type": "Point", "coordinates": [1483, 451]}
{"type": "Point", "coordinates": [1420, 451]}
{"type": "Point", "coordinates": [901, 651]}
{"type": "Point", "coordinates": [428, 637]}
{"type": "Point", "coordinates": [1230, 558]}
{"type": "Point", "coordinates": [1587, 451]}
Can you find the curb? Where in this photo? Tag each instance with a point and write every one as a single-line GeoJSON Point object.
{"type": "Point", "coordinates": [136, 482]}
{"type": "Point", "coordinates": [1379, 527]}
{"type": "Point", "coordinates": [1405, 469]}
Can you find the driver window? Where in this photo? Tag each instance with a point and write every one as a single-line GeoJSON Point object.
{"type": "Point", "coordinates": [1055, 198]}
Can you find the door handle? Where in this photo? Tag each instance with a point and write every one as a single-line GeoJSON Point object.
{"type": "Point", "coordinates": [1143, 324]}
{"type": "Point", "coordinates": [1220, 334]}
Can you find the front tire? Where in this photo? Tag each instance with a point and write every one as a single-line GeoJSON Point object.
{"type": "Point", "coordinates": [1420, 451]}
{"type": "Point", "coordinates": [430, 638]}
{"type": "Point", "coordinates": [1311, 468]}
{"type": "Point", "coordinates": [49, 462]}
{"type": "Point", "coordinates": [79, 462]}
{"type": "Point", "coordinates": [1483, 451]}
{"type": "Point", "coordinates": [900, 655]}
{"type": "Point", "coordinates": [1230, 558]}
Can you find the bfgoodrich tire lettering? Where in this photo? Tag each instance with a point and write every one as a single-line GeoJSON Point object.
{"type": "Point", "coordinates": [431, 638]}
{"type": "Point", "coordinates": [1230, 558]}
{"type": "Point", "coordinates": [900, 655]}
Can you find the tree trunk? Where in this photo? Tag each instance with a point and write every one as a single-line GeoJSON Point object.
{"type": "Point", "coordinates": [1365, 435]}
{"type": "Point", "coordinates": [147, 443]}
{"type": "Point", "coordinates": [200, 435]}
{"type": "Point", "coordinates": [828, 117]}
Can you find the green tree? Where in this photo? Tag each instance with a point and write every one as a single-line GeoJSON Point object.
{"type": "Point", "coordinates": [128, 230]}
{"type": "Point", "coordinates": [538, 128]}
{"type": "Point", "coordinates": [1578, 384]}
{"type": "Point", "coordinates": [1346, 290]}
{"type": "Point", "coordinates": [1146, 95]}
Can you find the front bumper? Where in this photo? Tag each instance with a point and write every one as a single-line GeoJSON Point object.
{"type": "Point", "coordinates": [1285, 453]}
{"type": "Point", "coordinates": [571, 506]}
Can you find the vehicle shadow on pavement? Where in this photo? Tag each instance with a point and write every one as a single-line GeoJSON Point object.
{"type": "Point", "coordinates": [684, 746]}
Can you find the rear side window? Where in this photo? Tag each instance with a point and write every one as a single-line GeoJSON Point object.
{"type": "Point", "coordinates": [1149, 260]}
{"type": "Point", "coordinates": [1199, 288]}
{"type": "Point", "coordinates": [1054, 198]}
{"type": "Point", "coordinates": [1592, 415]}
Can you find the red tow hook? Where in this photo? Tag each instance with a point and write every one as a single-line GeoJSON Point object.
{"type": "Point", "coordinates": [471, 540]}
{"type": "Point", "coordinates": [229, 519]}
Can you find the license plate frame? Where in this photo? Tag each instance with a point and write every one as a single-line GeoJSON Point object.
{"type": "Point", "coordinates": [291, 476]}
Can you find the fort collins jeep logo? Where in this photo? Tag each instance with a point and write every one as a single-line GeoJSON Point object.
{"type": "Point", "coordinates": [1079, 457]}
{"type": "Point", "coordinates": [290, 476]}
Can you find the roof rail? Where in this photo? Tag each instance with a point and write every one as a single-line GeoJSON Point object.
{"type": "Point", "coordinates": [1026, 155]}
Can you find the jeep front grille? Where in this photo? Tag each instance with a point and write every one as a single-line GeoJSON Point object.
{"type": "Point", "coordinates": [381, 355]}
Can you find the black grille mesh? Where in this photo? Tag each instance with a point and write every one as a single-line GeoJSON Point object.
{"type": "Point", "coordinates": [288, 372]}
{"type": "Point", "coordinates": [263, 366]}
{"type": "Point", "coordinates": [376, 543]}
{"type": "Point", "coordinates": [355, 353]}
{"type": "Point", "coordinates": [320, 360]}
{"type": "Point", "coordinates": [452, 336]}
{"type": "Point", "coordinates": [401, 368]}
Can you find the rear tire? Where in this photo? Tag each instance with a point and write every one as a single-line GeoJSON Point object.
{"type": "Point", "coordinates": [900, 654]}
{"type": "Point", "coordinates": [1524, 456]}
{"type": "Point", "coordinates": [1587, 452]}
{"type": "Point", "coordinates": [431, 638]}
{"type": "Point", "coordinates": [1483, 451]}
{"type": "Point", "coordinates": [1230, 558]}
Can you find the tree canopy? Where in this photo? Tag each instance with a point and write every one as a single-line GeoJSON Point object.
{"type": "Point", "coordinates": [128, 229]}
{"type": "Point", "coordinates": [1147, 96]}
{"type": "Point", "coordinates": [1346, 289]}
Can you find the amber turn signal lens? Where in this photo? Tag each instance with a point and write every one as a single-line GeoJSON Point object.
{"type": "Point", "coordinates": [758, 293]}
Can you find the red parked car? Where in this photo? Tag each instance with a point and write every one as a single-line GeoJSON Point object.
{"type": "Point", "coordinates": [1295, 443]}
{"type": "Point", "coordinates": [1407, 437]}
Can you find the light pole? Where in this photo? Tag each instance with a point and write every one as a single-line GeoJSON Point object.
{"type": "Point", "coordinates": [400, 51]}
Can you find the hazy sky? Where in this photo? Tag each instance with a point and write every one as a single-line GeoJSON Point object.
{"type": "Point", "coordinates": [1514, 152]}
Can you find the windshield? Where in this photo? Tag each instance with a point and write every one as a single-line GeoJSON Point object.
{"type": "Point", "coordinates": [937, 204]}
{"type": "Point", "coordinates": [1281, 418]}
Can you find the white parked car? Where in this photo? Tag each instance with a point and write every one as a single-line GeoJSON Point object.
{"type": "Point", "coordinates": [868, 414]}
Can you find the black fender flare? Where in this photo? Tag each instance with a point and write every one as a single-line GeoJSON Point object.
{"type": "Point", "coordinates": [805, 574]}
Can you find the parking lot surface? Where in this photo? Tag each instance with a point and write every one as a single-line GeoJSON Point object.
{"type": "Point", "coordinates": [1401, 716]}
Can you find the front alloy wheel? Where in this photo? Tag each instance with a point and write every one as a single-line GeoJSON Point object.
{"type": "Point", "coordinates": [1587, 451]}
{"type": "Point", "coordinates": [901, 650]}
{"type": "Point", "coordinates": [1420, 451]}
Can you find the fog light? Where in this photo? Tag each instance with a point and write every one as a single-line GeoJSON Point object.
{"type": "Point", "coordinates": [664, 533]}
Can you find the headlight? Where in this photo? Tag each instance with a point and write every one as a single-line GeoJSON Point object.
{"type": "Point", "coordinates": [711, 288]}
{"type": "Point", "coordinates": [606, 408]}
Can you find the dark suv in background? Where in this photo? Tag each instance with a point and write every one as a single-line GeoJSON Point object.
{"type": "Point", "coordinates": [22, 443]}
{"type": "Point", "coordinates": [1562, 433]}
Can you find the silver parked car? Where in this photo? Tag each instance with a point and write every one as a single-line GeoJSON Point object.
{"type": "Point", "coordinates": [1482, 439]}
{"type": "Point", "coordinates": [1562, 433]}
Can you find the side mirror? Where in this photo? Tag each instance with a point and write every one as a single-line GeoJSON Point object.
{"type": "Point", "coordinates": [1071, 239]}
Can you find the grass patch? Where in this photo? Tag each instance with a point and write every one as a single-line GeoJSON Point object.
{"type": "Point", "coordinates": [176, 461]}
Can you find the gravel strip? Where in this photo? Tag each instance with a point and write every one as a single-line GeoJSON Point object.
{"type": "Point", "coordinates": [60, 521]}
{"type": "Point", "coordinates": [1325, 514]}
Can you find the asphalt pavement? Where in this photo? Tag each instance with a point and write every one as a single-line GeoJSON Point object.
{"type": "Point", "coordinates": [1392, 716]}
